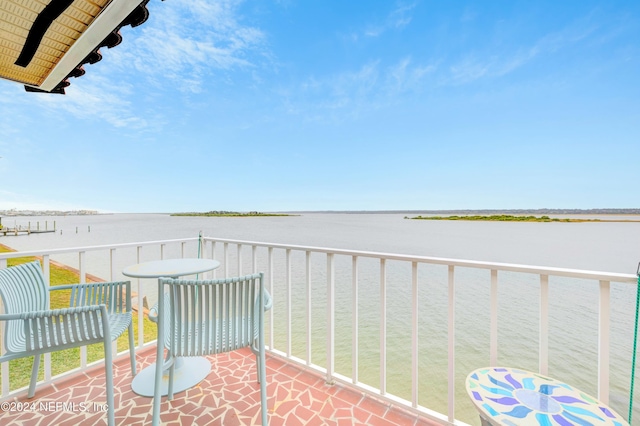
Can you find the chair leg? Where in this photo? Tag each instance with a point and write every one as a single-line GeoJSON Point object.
{"type": "Point", "coordinates": [132, 351]}
{"type": "Point", "coordinates": [172, 370]}
{"type": "Point", "coordinates": [262, 378]}
{"type": "Point", "coordinates": [256, 352]}
{"type": "Point", "coordinates": [258, 368]}
{"type": "Point", "coordinates": [108, 370]}
{"type": "Point", "coordinates": [34, 376]}
{"type": "Point", "coordinates": [157, 397]}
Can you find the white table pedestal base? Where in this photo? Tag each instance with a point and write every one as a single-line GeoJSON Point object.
{"type": "Point", "coordinates": [188, 372]}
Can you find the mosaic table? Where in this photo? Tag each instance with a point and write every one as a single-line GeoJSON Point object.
{"type": "Point", "coordinates": [513, 397]}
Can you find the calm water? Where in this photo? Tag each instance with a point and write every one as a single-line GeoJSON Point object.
{"type": "Point", "coordinates": [610, 247]}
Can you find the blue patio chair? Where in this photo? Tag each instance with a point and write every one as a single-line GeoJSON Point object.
{"type": "Point", "coordinates": [98, 313]}
{"type": "Point", "coordinates": [208, 317]}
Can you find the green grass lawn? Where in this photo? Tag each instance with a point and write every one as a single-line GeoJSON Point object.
{"type": "Point", "coordinates": [20, 369]}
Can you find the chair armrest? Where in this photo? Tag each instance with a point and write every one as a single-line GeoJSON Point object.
{"type": "Point", "coordinates": [52, 329]}
{"type": "Point", "coordinates": [153, 313]}
{"type": "Point", "coordinates": [268, 300]}
{"type": "Point", "coordinates": [50, 313]}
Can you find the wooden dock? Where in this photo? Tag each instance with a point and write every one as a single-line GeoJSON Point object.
{"type": "Point", "coordinates": [25, 230]}
{"type": "Point", "coordinates": [22, 231]}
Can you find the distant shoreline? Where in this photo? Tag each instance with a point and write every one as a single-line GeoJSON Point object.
{"type": "Point", "coordinates": [629, 211]}
{"type": "Point", "coordinates": [546, 211]}
{"type": "Point", "coordinates": [513, 218]}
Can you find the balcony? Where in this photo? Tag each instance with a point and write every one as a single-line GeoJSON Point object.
{"type": "Point", "coordinates": [362, 337]}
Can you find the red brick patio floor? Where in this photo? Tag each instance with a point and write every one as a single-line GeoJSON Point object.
{"type": "Point", "coordinates": [229, 396]}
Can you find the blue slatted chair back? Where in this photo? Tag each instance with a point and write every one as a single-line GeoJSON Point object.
{"type": "Point", "coordinates": [22, 289]}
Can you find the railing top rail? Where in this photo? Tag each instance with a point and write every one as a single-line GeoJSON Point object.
{"type": "Point", "coordinates": [13, 254]}
{"type": "Point", "coordinates": [511, 267]}
{"type": "Point", "coordinates": [540, 270]}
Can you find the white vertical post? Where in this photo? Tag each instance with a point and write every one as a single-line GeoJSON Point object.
{"type": "Point", "coordinates": [383, 327]}
{"type": "Point", "coordinates": [182, 249]}
{"type": "Point", "coordinates": [4, 367]}
{"type": "Point", "coordinates": [213, 256]}
{"type": "Point", "coordinates": [414, 335]}
{"type": "Point", "coordinates": [452, 345]}
{"type": "Point", "coordinates": [239, 248]}
{"type": "Point", "coordinates": [46, 270]}
{"type": "Point", "coordinates": [83, 279]}
{"type": "Point", "coordinates": [140, 301]}
{"type": "Point", "coordinates": [254, 259]}
{"type": "Point", "coordinates": [112, 274]}
{"type": "Point", "coordinates": [544, 325]}
{"type": "Point", "coordinates": [493, 333]}
{"type": "Point", "coordinates": [162, 251]}
{"type": "Point", "coordinates": [308, 286]}
{"type": "Point", "coordinates": [273, 307]}
{"type": "Point", "coordinates": [202, 247]}
{"type": "Point", "coordinates": [604, 341]}
{"type": "Point", "coordinates": [112, 253]}
{"type": "Point", "coordinates": [288, 296]}
{"type": "Point", "coordinates": [82, 267]}
{"type": "Point", "coordinates": [225, 254]}
{"type": "Point", "coordinates": [331, 305]}
{"type": "Point", "coordinates": [354, 320]}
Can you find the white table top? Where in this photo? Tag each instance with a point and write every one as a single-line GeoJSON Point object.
{"type": "Point", "coordinates": [170, 268]}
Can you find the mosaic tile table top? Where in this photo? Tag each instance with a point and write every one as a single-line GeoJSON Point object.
{"type": "Point", "coordinates": [512, 397]}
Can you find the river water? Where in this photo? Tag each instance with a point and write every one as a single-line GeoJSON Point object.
{"type": "Point", "coordinates": [595, 246]}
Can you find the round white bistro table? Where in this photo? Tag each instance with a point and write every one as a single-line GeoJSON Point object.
{"type": "Point", "coordinates": [188, 371]}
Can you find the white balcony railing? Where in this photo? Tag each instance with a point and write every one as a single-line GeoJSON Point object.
{"type": "Point", "coordinates": [405, 328]}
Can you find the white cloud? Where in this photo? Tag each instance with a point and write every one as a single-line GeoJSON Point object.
{"type": "Point", "coordinates": [406, 77]}
{"type": "Point", "coordinates": [349, 93]}
{"type": "Point", "coordinates": [187, 41]}
{"type": "Point", "coordinates": [475, 65]}
{"type": "Point", "coordinates": [96, 96]}
{"type": "Point", "coordinates": [397, 19]}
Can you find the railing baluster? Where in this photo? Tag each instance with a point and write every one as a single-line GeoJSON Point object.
{"type": "Point", "coordinates": [225, 254]}
{"type": "Point", "coordinates": [415, 372]}
{"type": "Point", "coordinates": [493, 333]}
{"type": "Point", "coordinates": [544, 325]}
{"type": "Point", "coordinates": [82, 279]}
{"type": "Point", "coordinates": [273, 308]}
{"type": "Point", "coordinates": [4, 367]}
{"type": "Point", "coordinates": [46, 270]}
{"type": "Point", "coordinates": [213, 256]}
{"type": "Point", "coordinates": [254, 259]}
{"type": "Point", "coordinates": [383, 327]}
{"type": "Point", "coordinates": [288, 299]}
{"type": "Point", "coordinates": [140, 301]}
{"type": "Point", "coordinates": [604, 316]}
{"type": "Point", "coordinates": [308, 315]}
{"type": "Point", "coordinates": [112, 275]}
{"type": "Point", "coordinates": [111, 264]}
{"type": "Point", "coordinates": [331, 305]}
{"type": "Point", "coordinates": [82, 267]}
{"type": "Point", "coordinates": [355, 339]}
{"type": "Point", "coordinates": [452, 345]}
{"type": "Point", "coordinates": [239, 251]}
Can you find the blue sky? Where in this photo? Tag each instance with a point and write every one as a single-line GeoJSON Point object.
{"type": "Point", "coordinates": [334, 105]}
